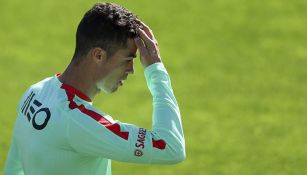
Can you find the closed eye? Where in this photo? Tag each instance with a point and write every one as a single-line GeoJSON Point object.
{"type": "Point", "coordinates": [129, 59]}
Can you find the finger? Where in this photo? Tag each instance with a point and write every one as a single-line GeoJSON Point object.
{"type": "Point", "coordinates": [148, 42]}
{"type": "Point", "coordinates": [139, 43]}
{"type": "Point", "coordinates": [151, 45]}
{"type": "Point", "coordinates": [148, 31]}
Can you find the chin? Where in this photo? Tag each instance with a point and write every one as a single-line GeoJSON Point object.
{"type": "Point", "coordinates": [110, 90]}
{"type": "Point", "coordinates": [106, 89]}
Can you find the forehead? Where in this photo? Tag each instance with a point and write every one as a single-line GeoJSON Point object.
{"type": "Point", "coordinates": [129, 51]}
{"type": "Point", "coordinates": [131, 46]}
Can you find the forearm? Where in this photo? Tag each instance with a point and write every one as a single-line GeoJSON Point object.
{"type": "Point", "coordinates": [166, 115]}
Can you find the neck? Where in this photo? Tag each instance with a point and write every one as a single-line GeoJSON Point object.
{"type": "Point", "coordinates": [77, 76]}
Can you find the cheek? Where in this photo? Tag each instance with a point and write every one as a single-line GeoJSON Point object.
{"type": "Point", "coordinates": [106, 71]}
{"type": "Point", "coordinates": [115, 74]}
{"type": "Point", "coordinates": [102, 73]}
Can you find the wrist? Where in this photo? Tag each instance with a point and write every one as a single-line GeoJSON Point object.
{"type": "Point", "coordinates": [158, 66]}
{"type": "Point", "coordinates": [151, 63]}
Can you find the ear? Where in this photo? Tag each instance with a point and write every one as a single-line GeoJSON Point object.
{"type": "Point", "coordinates": [98, 54]}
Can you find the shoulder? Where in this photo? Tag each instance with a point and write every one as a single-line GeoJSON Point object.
{"type": "Point", "coordinates": [35, 90]}
{"type": "Point", "coordinates": [78, 110]}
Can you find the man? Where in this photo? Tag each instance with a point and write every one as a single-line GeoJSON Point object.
{"type": "Point", "coordinates": [59, 131]}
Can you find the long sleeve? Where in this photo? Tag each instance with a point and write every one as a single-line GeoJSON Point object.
{"type": "Point", "coordinates": [166, 115]}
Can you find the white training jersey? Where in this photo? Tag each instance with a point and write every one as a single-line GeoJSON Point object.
{"type": "Point", "coordinates": [59, 131]}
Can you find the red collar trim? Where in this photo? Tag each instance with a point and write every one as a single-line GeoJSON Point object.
{"type": "Point", "coordinates": [74, 91]}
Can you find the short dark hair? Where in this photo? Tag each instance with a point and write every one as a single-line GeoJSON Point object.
{"type": "Point", "coordinates": [105, 25]}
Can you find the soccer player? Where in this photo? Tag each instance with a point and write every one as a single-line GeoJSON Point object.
{"type": "Point", "coordinates": [59, 131]}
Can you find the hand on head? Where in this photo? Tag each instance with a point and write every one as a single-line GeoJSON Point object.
{"type": "Point", "coordinates": [147, 45]}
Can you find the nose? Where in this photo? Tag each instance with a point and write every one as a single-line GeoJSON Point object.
{"type": "Point", "coordinates": [130, 68]}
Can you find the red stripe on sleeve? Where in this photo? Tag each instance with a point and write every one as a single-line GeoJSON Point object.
{"type": "Point", "coordinates": [113, 127]}
{"type": "Point", "coordinates": [160, 144]}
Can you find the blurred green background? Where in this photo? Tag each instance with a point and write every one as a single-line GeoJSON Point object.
{"type": "Point", "coordinates": [238, 69]}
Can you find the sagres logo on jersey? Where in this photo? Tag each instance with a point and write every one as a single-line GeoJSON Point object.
{"type": "Point", "coordinates": [140, 145]}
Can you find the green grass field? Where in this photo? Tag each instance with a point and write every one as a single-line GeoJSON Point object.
{"type": "Point", "coordinates": [238, 69]}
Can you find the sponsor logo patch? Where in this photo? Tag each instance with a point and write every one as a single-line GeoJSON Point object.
{"type": "Point", "coordinates": [140, 142]}
{"type": "Point", "coordinates": [32, 109]}
{"type": "Point", "coordinates": [138, 153]}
